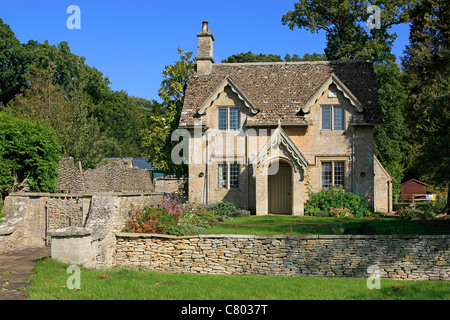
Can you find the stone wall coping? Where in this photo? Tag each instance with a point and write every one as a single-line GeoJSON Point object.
{"type": "Point", "coordinates": [243, 236]}
{"type": "Point", "coordinates": [58, 195]}
{"type": "Point", "coordinates": [71, 231]}
{"type": "Point", "coordinates": [151, 235]}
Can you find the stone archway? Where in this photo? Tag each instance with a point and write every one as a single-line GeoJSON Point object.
{"type": "Point", "coordinates": [263, 189]}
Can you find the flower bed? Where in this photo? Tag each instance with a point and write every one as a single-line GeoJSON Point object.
{"type": "Point", "coordinates": [171, 217]}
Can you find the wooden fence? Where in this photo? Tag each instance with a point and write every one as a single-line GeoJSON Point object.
{"type": "Point", "coordinates": [415, 198]}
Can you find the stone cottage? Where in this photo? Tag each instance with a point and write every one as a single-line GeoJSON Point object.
{"type": "Point", "coordinates": [262, 134]}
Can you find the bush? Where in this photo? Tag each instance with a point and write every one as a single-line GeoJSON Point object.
{"type": "Point", "coordinates": [172, 218]}
{"type": "Point", "coordinates": [334, 198]}
{"type": "Point", "coordinates": [27, 150]}
{"type": "Point", "coordinates": [224, 208]}
{"type": "Point", "coordinates": [340, 212]}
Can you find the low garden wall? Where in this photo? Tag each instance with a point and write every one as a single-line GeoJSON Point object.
{"type": "Point", "coordinates": [397, 257]}
{"type": "Point", "coordinates": [32, 219]}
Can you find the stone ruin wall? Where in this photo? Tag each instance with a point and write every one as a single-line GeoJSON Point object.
{"type": "Point", "coordinates": [31, 218]}
{"type": "Point", "coordinates": [111, 177]}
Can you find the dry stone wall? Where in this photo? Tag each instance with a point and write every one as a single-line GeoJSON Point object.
{"type": "Point", "coordinates": [398, 257]}
{"type": "Point", "coordinates": [111, 177]}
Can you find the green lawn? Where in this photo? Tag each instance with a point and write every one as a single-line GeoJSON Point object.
{"type": "Point", "coordinates": [276, 224]}
{"type": "Point", "coordinates": [50, 282]}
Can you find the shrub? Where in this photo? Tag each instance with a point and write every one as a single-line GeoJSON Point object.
{"type": "Point", "coordinates": [225, 209]}
{"type": "Point", "coordinates": [323, 214]}
{"type": "Point", "coordinates": [336, 198]}
{"type": "Point", "coordinates": [340, 212]}
{"type": "Point", "coordinates": [408, 213]}
{"type": "Point", "coordinates": [28, 149]}
{"type": "Point", "coordinates": [2, 213]}
{"type": "Point", "coordinates": [169, 217]}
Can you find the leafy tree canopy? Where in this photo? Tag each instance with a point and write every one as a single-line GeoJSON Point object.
{"type": "Point", "coordinates": [157, 137]}
{"type": "Point", "coordinates": [251, 57]}
{"type": "Point", "coordinates": [344, 24]}
{"type": "Point", "coordinates": [427, 78]}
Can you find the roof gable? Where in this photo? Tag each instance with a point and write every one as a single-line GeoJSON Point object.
{"type": "Point", "coordinates": [220, 88]}
{"type": "Point", "coordinates": [333, 79]}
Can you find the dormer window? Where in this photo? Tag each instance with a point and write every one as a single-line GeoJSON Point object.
{"type": "Point", "coordinates": [228, 119]}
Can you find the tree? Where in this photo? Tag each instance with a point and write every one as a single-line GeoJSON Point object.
{"type": "Point", "coordinates": [157, 137]}
{"type": "Point", "coordinates": [427, 77]}
{"type": "Point", "coordinates": [344, 25]}
{"type": "Point", "coordinates": [28, 152]}
{"type": "Point", "coordinates": [390, 138]}
{"type": "Point", "coordinates": [83, 140]}
{"type": "Point", "coordinates": [251, 57]}
{"type": "Point", "coordinates": [43, 100]}
{"type": "Point", "coordinates": [306, 57]}
{"type": "Point", "coordinates": [11, 67]}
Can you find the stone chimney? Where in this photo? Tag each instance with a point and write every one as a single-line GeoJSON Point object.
{"type": "Point", "coordinates": [205, 50]}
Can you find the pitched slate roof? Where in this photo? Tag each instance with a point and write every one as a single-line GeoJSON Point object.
{"type": "Point", "coordinates": [279, 90]}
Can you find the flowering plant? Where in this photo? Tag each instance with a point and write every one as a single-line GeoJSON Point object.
{"type": "Point", "coordinates": [340, 212]}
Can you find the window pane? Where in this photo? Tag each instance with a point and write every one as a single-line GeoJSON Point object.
{"type": "Point", "coordinates": [222, 175]}
{"type": "Point", "coordinates": [326, 118]}
{"type": "Point", "coordinates": [326, 175]}
{"type": "Point", "coordinates": [222, 119]}
{"type": "Point", "coordinates": [338, 118]}
{"type": "Point", "coordinates": [339, 174]}
{"type": "Point", "coordinates": [234, 175]}
{"type": "Point", "coordinates": [234, 118]}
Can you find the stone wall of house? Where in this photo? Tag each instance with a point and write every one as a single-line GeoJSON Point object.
{"type": "Point", "coordinates": [111, 177]}
{"type": "Point", "coordinates": [397, 257]}
{"type": "Point", "coordinates": [353, 147]}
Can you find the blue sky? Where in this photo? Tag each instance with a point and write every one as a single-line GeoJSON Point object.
{"type": "Point", "coordinates": [131, 41]}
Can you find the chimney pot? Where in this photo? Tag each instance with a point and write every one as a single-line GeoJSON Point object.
{"type": "Point", "coordinates": [205, 26]}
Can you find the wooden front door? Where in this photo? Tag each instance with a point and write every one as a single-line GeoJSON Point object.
{"type": "Point", "coordinates": [280, 190]}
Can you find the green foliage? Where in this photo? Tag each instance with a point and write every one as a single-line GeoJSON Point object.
{"type": "Point", "coordinates": [340, 212]}
{"type": "Point", "coordinates": [27, 151]}
{"type": "Point", "coordinates": [157, 137]}
{"type": "Point", "coordinates": [306, 57]}
{"type": "Point", "coordinates": [427, 77]}
{"type": "Point", "coordinates": [11, 68]}
{"type": "Point", "coordinates": [251, 57]}
{"type": "Point", "coordinates": [225, 208]}
{"type": "Point", "coordinates": [344, 24]}
{"type": "Point", "coordinates": [2, 213]}
{"type": "Point", "coordinates": [332, 198]}
{"type": "Point", "coordinates": [170, 217]}
{"type": "Point", "coordinates": [364, 228]}
{"type": "Point", "coordinates": [49, 83]}
{"type": "Point", "coordinates": [228, 209]}
{"type": "Point", "coordinates": [390, 137]}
